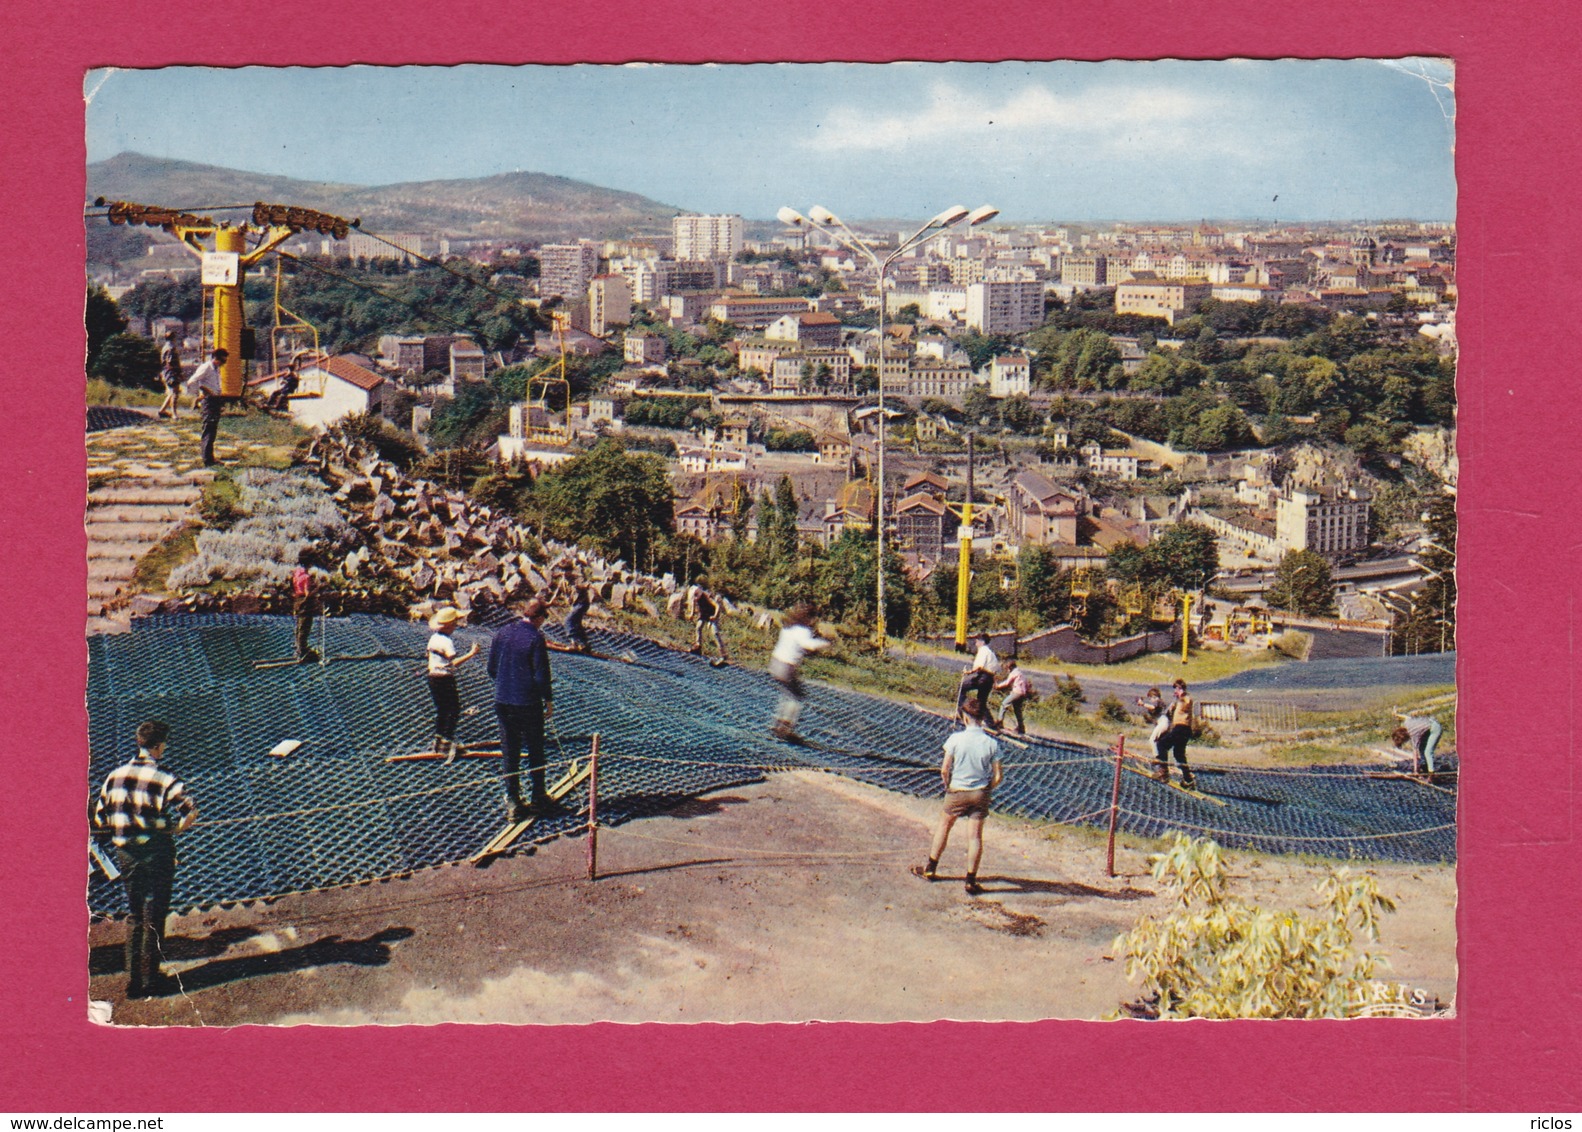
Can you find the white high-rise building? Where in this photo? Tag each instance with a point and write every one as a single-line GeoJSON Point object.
{"type": "Point", "coordinates": [707, 237]}
{"type": "Point", "coordinates": [567, 269]}
{"type": "Point", "coordinates": [1007, 306]}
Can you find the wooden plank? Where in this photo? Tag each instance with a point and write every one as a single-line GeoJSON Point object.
{"type": "Point", "coordinates": [102, 859]}
{"type": "Point", "coordinates": [435, 756]}
{"type": "Point", "coordinates": [624, 658]}
{"type": "Point", "coordinates": [1420, 779]}
{"type": "Point", "coordinates": [1178, 786]}
{"type": "Point", "coordinates": [576, 774]}
{"type": "Point", "coordinates": [997, 732]}
{"type": "Point", "coordinates": [501, 841]}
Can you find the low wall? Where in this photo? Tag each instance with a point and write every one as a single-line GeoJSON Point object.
{"type": "Point", "coordinates": [1063, 643]}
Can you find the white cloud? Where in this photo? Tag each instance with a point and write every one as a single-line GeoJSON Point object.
{"type": "Point", "coordinates": [1126, 118]}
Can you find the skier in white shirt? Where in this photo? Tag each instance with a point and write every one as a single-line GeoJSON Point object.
{"type": "Point", "coordinates": [797, 639]}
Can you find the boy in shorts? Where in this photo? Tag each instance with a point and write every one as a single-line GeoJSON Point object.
{"type": "Point", "coordinates": [970, 770]}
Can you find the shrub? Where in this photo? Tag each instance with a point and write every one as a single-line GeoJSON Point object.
{"type": "Point", "coordinates": [1216, 956]}
{"type": "Point", "coordinates": [1068, 695]}
{"type": "Point", "coordinates": [1292, 644]}
{"type": "Point", "coordinates": [391, 443]}
{"type": "Point", "coordinates": [790, 440]}
{"type": "Point", "coordinates": [1112, 710]}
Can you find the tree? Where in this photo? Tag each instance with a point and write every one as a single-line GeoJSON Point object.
{"type": "Point", "coordinates": [1303, 585]}
{"type": "Point", "coordinates": [1222, 427]}
{"type": "Point", "coordinates": [1019, 415]}
{"type": "Point", "coordinates": [1129, 563]}
{"type": "Point", "coordinates": [1040, 578]}
{"type": "Point", "coordinates": [1075, 359]}
{"type": "Point", "coordinates": [160, 297]}
{"type": "Point", "coordinates": [1185, 555]}
{"type": "Point", "coordinates": [1168, 373]}
{"type": "Point", "coordinates": [977, 406]}
{"type": "Point", "coordinates": [766, 521]}
{"type": "Point", "coordinates": [103, 321]}
{"type": "Point", "coordinates": [128, 360]}
{"type": "Point", "coordinates": [473, 417]}
{"type": "Point", "coordinates": [980, 347]}
{"type": "Point", "coordinates": [741, 513]}
{"type": "Point", "coordinates": [1431, 624]}
{"type": "Point", "coordinates": [786, 514]}
{"type": "Point", "coordinates": [848, 589]}
{"type": "Point", "coordinates": [608, 499]}
{"type": "Point", "coordinates": [506, 490]}
{"type": "Point", "coordinates": [390, 442]}
{"type": "Point", "coordinates": [789, 440]}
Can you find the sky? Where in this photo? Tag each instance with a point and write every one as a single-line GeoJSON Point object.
{"type": "Point", "coordinates": [1288, 140]}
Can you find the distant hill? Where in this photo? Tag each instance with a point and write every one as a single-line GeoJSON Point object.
{"type": "Point", "coordinates": [521, 206]}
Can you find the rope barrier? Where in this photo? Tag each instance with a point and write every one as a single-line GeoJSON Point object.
{"type": "Point", "coordinates": [767, 767]}
{"type": "Point", "coordinates": [1362, 770]}
{"type": "Point", "coordinates": [450, 787]}
{"type": "Point", "coordinates": [773, 765]}
{"type": "Point", "coordinates": [1287, 836]}
{"type": "Point", "coordinates": [627, 831]}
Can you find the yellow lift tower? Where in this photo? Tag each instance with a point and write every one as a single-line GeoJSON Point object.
{"type": "Point", "coordinates": [964, 568]}
{"type": "Point", "coordinates": [225, 264]}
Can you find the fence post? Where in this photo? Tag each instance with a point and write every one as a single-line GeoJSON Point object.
{"type": "Point", "coordinates": [593, 810]}
{"type": "Point", "coordinates": [1115, 800]}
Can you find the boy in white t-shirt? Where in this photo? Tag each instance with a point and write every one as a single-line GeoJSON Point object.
{"type": "Point", "coordinates": [979, 679]}
{"type": "Point", "coordinates": [797, 639]}
{"type": "Point", "coordinates": [442, 663]}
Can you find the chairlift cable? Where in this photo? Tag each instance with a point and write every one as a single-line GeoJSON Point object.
{"type": "Point", "coordinates": [308, 263]}
{"type": "Point", "coordinates": [515, 300]}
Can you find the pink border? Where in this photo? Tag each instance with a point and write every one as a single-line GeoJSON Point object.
{"type": "Point", "coordinates": [1514, 1044]}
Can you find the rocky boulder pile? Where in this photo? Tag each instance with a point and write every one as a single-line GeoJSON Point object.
{"type": "Point", "coordinates": [446, 547]}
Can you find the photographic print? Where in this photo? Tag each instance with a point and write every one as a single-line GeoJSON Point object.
{"type": "Point", "coordinates": [772, 543]}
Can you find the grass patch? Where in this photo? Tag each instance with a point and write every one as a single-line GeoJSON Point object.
{"type": "Point", "coordinates": [220, 501]}
{"type": "Point", "coordinates": [101, 392]}
{"type": "Point", "coordinates": [1152, 668]}
{"type": "Point", "coordinates": [265, 441]}
{"type": "Point", "coordinates": [153, 569]}
{"type": "Point", "coordinates": [895, 680]}
{"type": "Point", "coordinates": [1355, 734]}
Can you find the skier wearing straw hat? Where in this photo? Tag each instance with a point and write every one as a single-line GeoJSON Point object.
{"type": "Point", "coordinates": [442, 663]}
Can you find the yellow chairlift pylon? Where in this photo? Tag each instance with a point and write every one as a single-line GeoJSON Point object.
{"type": "Point", "coordinates": [223, 317]}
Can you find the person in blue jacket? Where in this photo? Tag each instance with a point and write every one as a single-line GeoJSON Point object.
{"type": "Point", "coordinates": [523, 701]}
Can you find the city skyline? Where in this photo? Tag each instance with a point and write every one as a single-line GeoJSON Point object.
{"type": "Point", "coordinates": [1287, 140]}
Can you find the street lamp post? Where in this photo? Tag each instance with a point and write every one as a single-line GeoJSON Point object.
{"type": "Point", "coordinates": [1396, 612]}
{"type": "Point", "coordinates": [823, 220]}
{"type": "Point", "coordinates": [1444, 614]}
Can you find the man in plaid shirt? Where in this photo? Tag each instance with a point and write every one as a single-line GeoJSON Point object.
{"type": "Point", "coordinates": [143, 808]}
